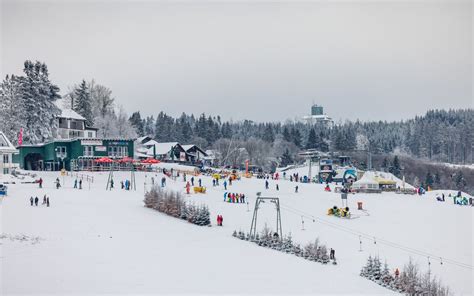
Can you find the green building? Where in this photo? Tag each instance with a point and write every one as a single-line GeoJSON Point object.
{"type": "Point", "coordinates": [72, 154]}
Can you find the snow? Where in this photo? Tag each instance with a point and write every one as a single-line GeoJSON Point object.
{"type": "Point", "coordinates": [5, 145]}
{"type": "Point", "coordinates": [160, 148]}
{"type": "Point", "coordinates": [97, 241]}
{"type": "Point", "coordinates": [68, 112]}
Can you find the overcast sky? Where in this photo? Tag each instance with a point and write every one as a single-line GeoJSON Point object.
{"type": "Point", "coordinates": [266, 61]}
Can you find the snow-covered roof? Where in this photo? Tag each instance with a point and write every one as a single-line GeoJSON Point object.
{"type": "Point", "coordinates": [376, 177]}
{"type": "Point", "coordinates": [5, 145]}
{"type": "Point", "coordinates": [68, 112]}
{"type": "Point", "coordinates": [161, 148]}
{"type": "Point", "coordinates": [150, 143]}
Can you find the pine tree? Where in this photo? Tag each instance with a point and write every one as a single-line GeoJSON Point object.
{"type": "Point", "coordinates": [312, 142]}
{"type": "Point", "coordinates": [137, 122]}
{"type": "Point", "coordinates": [396, 169]}
{"type": "Point", "coordinates": [286, 135]}
{"type": "Point", "coordinates": [429, 180]}
{"type": "Point", "coordinates": [286, 158]}
{"type": "Point", "coordinates": [82, 103]}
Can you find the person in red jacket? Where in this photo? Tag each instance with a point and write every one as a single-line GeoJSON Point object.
{"type": "Point", "coordinates": [188, 187]}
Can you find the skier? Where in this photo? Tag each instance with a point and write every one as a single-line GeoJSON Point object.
{"type": "Point", "coordinates": [75, 184]}
{"type": "Point", "coordinates": [218, 220]}
{"type": "Point", "coordinates": [44, 199]}
{"type": "Point", "coordinates": [277, 187]}
{"type": "Point", "coordinates": [242, 198]}
{"type": "Point", "coordinates": [163, 182]}
{"type": "Point", "coordinates": [331, 253]}
{"type": "Point", "coordinates": [188, 188]}
{"type": "Point", "coordinates": [192, 181]}
{"type": "Point", "coordinates": [47, 202]}
{"type": "Point", "coordinates": [80, 184]}
{"type": "Point", "coordinates": [111, 184]}
{"type": "Point", "coordinates": [266, 184]}
{"type": "Point", "coordinates": [40, 183]}
{"type": "Point", "coordinates": [122, 186]}
{"type": "Point", "coordinates": [225, 196]}
{"type": "Point", "coordinates": [184, 177]}
{"type": "Point", "coordinates": [296, 189]}
{"type": "Point", "coordinates": [225, 184]}
{"type": "Point", "coordinates": [213, 182]}
{"type": "Point", "coordinates": [31, 200]}
{"type": "Point", "coordinates": [222, 219]}
{"type": "Point", "coordinates": [230, 181]}
{"type": "Point", "coordinates": [200, 182]}
{"type": "Point", "coordinates": [284, 175]}
{"type": "Point", "coordinates": [36, 201]}
{"type": "Point", "coordinates": [57, 183]}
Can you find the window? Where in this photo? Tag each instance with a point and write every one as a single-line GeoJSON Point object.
{"type": "Point", "coordinates": [61, 152]}
{"type": "Point", "coordinates": [88, 150]}
{"type": "Point", "coordinates": [118, 151]}
{"type": "Point", "coordinates": [6, 158]}
{"type": "Point", "coordinates": [90, 134]}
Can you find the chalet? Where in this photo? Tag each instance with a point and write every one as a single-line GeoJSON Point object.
{"type": "Point", "coordinates": [6, 155]}
{"type": "Point", "coordinates": [72, 125]}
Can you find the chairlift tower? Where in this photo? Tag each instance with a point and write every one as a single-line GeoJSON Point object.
{"type": "Point", "coordinates": [260, 200]}
{"type": "Point", "coordinates": [309, 155]}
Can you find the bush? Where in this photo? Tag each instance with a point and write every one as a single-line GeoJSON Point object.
{"type": "Point", "coordinates": [311, 251]}
{"type": "Point", "coordinates": [410, 281]}
{"type": "Point", "coordinates": [173, 204]}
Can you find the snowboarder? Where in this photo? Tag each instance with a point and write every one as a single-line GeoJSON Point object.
{"type": "Point", "coordinates": [40, 183]}
{"type": "Point", "coordinates": [47, 202]}
{"type": "Point", "coordinates": [80, 184]}
{"type": "Point", "coordinates": [225, 185]}
{"type": "Point", "coordinates": [192, 181]}
{"type": "Point", "coordinates": [266, 184]}
{"type": "Point", "coordinates": [36, 201]}
{"type": "Point", "coordinates": [75, 184]}
{"type": "Point", "coordinates": [296, 189]}
{"type": "Point", "coordinates": [31, 200]}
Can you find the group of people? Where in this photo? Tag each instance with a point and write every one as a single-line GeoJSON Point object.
{"type": "Point", "coordinates": [234, 197]}
{"type": "Point", "coordinates": [35, 201]}
{"type": "Point", "coordinates": [76, 183]}
{"type": "Point", "coordinates": [125, 185]}
{"type": "Point", "coordinates": [219, 220]}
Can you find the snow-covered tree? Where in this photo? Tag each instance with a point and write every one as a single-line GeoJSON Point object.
{"type": "Point", "coordinates": [82, 102]}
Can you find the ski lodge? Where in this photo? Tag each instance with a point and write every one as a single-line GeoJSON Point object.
{"type": "Point", "coordinates": [6, 155]}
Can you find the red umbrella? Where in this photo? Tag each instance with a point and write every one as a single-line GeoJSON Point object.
{"type": "Point", "coordinates": [104, 160]}
{"type": "Point", "coordinates": [126, 160]}
{"type": "Point", "coordinates": [150, 161]}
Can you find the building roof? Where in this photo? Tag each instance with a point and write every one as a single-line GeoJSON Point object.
{"type": "Point", "coordinates": [190, 146]}
{"type": "Point", "coordinates": [68, 112]}
{"type": "Point", "coordinates": [5, 145]}
{"type": "Point", "coordinates": [161, 148]}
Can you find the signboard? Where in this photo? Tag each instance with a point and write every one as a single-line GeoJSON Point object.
{"type": "Point", "coordinates": [91, 142]}
{"type": "Point", "coordinates": [182, 156]}
{"type": "Point", "coordinates": [101, 148]}
{"type": "Point", "coordinates": [118, 143]}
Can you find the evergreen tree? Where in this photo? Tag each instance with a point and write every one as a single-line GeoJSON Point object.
{"type": "Point", "coordinates": [395, 169]}
{"type": "Point", "coordinates": [286, 135]}
{"type": "Point", "coordinates": [312, 142]}
{"type": "Point", "coordinates": [268, 135]}
{"type": "Point", "coordinates": [82, 103]}
{"type": "Point", "coordinates": [137, 122]}
{"type": "Point", "coordinates": [459, 180]}
{"type": "Point", "coordinates": [429, 180]}
{"type": "Point", "coordinates": [286, 158]}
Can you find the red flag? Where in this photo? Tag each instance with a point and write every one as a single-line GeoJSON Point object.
{"type": "Point", "coordinates": [20, 137]}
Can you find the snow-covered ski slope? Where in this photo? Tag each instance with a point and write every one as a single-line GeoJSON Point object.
{"type": "Point", "coordinates": [97, 241]}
